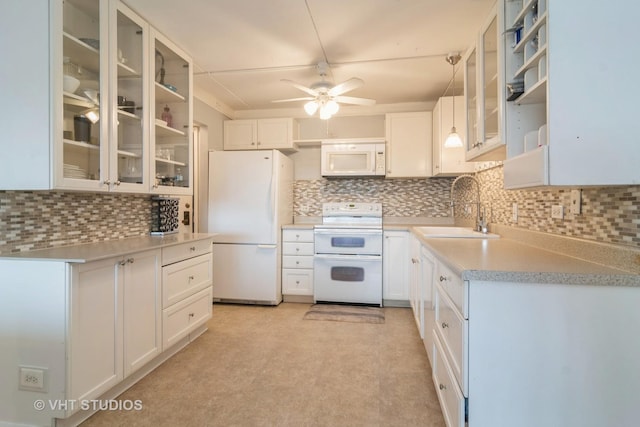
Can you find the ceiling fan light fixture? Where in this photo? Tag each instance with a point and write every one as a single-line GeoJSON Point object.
{"type": "Point", "coordinates": [332, 107]}
{"type": "Point", "coordinates": [453, 140]}
{"type": "Point", "coordinates": [325, 113]}
{"type": "Point", "coordinates": [311, 107]}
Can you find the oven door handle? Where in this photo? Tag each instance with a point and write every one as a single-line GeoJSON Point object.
{"type": "Point", "coordinates": [349, 257]}
{"type": "Point", "coordinates": [349, 231]}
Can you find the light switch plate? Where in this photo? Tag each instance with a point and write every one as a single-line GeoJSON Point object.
{"type": "Point", "coordinates": [576, 202]}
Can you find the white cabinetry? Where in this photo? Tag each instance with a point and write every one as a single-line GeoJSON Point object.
{"type": "Point", "coordinates": [395, 268]}
{"type": "Point", "coordinates": [171, 141]}
{"type": "Point", "coordinates": [297, 262]}
{"type": "Point", "coordinates": [408, 144]}
{"type": "Point", "coordinates": [261, 134]}
{"type": "Point", "coordinates": [484, 88]}
{"type": "Point", "coordinates": [93, 135]}
{"type": "Point", "coordinates": [114, 321]}
{"type": "Point", "coordinates": [187, 274]}
{"type": "Point", "coordinates": [427, 284]}
{"type": "Point", "coordinates": [571, 125]}
{"type": "Point", "coordinates": [415, 285]}
{"type": "Point", "coordinates": [449, 161]}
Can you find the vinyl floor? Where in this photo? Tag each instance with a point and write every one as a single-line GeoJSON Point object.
{"type": "Point", "coordinates": [266, 366]}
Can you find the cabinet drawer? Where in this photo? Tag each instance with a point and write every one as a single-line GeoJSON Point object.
{"type": "Point", "coordinates": [454, 287]}
{"type": "Point", "coordinates": [297, 248]}
{"type": "Point", "coordinates": [297, 235]}
{"type": "Point", "coordinates": [171, 254]}
{"type": "Point", "coordinates": [297, 282]}
{"type": "Point", "coordinates": [290, 261]}
{"type": "Point", "coordinates": [454, 333]}
{"type": "Point", "coordinates": [185, 278]}
{"type": "Point", "coordinates": [184, 316]}
{"type": "Point", "coordinates": [451, 399]}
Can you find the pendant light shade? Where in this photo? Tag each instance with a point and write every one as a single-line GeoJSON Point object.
{"type": "Point", "coordinates": [453, 140]}
{"type": "Point", "coordinates": [311, 107]}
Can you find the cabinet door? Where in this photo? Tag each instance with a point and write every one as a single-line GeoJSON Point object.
{"type": "Point", "coordinates": [408, 145]}
{"type": "Point", "coordinates": [240, 135]}
{"type": "Point", "coordinates": [395, 266]}
{"type": "Point", "coordinates": [171, 138]}
{"type": "Point", "coordinates": [427, 271]}
{"type": "Point", "coordinates": [142, 309]}
{"type": "Point", "coordinates": [129, 154]}
{"type": "Point", "coordinates": [275, 133]}
{"type": "Point", "coordinates": [95, 329]}
{"type": "Point", "coordinates": [449, 161]}
{"type": "Point", "coordinates": [81, 159]}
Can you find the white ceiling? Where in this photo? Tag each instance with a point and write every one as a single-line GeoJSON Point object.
{"type": "Point", "coordinates": [243, 48]}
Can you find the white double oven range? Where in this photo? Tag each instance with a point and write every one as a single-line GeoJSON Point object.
{"type": "Point", "coordinates": [348, 254]}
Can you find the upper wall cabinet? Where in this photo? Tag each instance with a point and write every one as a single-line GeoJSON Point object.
{"type": "Point", "coordinates": [261, 134]}
{"type": "Point", "coordinates": [572, 119]}
{"type": "Point", "coordinates": [86, 124]}
{"type": "Point", "coordinates": [483, 89]}
{"type": "Point", "coordinates": [408, 150]}
{"type": "Point", "coordinates": [449, 161]}
{"type": "Point", "coordinates": [171, 111]}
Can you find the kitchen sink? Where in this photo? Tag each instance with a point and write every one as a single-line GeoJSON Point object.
{"type": "Point", "coordinates": [454, 232]}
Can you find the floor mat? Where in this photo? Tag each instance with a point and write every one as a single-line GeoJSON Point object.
{"type": "Point", "coordinates": [345, 313]}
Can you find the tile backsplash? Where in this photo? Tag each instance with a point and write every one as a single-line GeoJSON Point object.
{"type": "Point", "coordinates": [609, 215]}
{"type": "Point", "coordinates": [399, 197]}
{"type": "Point", "coordinates": [42, 219]}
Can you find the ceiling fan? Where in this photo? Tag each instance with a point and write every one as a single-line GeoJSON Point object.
{"type": "Point", "coordinates": [325, 96]}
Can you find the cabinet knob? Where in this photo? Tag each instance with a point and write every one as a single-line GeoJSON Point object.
{"type": "Point", "coordinates": [191, 315]}
{"type": "Point", "coordinates": [155, 185]}
{"type": "Point", "coordinates": [191, 278]}
{"type": "Point", "coordinates": [116, 183]}
{"type": "Point", "coordinates": [130, 260]}
{"type": "Point", "coordinates": [123, 262]}
{"type": "Point", "coordinates": [442, 387]}
{"type": "Point", "coordinates": [106, 182]}
{"type": "Point", "coordinates": [192, 248]}
{"type": "Point", "coordinates": [297, 262]}
{"type": "Point", "coordinates": [443, 279]}
{"type": "Point", "coordinates": [445, 325]}
{"type": "Point", "coordinates": [297, 282]}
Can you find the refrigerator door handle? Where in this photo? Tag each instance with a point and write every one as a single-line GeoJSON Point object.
{"type": "Point", "coordinates": [267, 246]}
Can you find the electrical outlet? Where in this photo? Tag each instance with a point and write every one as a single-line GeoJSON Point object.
{"type": "Point", "coordinates": [557, 212]}
{"type": "Point", "coordinates": [304, 208]}
{"type": "Point", "coordinates": [31, 378]}
{"type": "Point", "coordinates": [514, 212]}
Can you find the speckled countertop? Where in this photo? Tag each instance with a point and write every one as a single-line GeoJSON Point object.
{"type": "Point", "coordinates": [506, 260]}
{"type": "Point", "coordinates": [102, 250]}
{"type": "Point", "coordinates": [509, 260]}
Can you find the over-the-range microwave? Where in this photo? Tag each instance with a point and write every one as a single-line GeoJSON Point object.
{"type": "Point", "coordinates": [353, 157]}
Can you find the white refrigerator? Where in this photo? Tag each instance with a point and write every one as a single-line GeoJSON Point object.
{"type": "Point", "coordinates": [250, 198]}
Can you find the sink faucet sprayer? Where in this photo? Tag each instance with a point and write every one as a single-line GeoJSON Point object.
{"type": "Point", "coordinates": [481, 217]}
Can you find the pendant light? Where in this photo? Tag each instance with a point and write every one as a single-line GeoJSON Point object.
{"type": "Point", "coordinates": [453, 140]}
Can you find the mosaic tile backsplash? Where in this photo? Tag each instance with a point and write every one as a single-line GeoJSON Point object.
{"type": "Point", "coordinates": [399, 197]}
{"type": "Point", "coordinates": [36, 220]}
{"type": "Point", "coordinates": [609, 215]}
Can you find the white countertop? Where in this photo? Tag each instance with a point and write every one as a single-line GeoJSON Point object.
{"type": "Point", "coordinates": [102, 250]}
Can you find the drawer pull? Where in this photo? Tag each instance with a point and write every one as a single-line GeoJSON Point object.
{"type": "Point", "coordinates": [445, 325]}
{"type": "Point", "coordinates": [123, 262]}
{"type": "Point", "coordinates": [297, 262]}
{"type": "Point", "coordinates": [192, 248]}
{"type": "Point", "coordinates": [297, 282]}
{"type": "Point", "coordinates": [191, 315]}
{"type": "Point", "coordinates": [130, 260]}
{"type": "Point", "coordinates": [443, 279]}
{"type": "Point", "coordinates": [191, 278]}
{"type": "Point", "coordinates": [442, 387]}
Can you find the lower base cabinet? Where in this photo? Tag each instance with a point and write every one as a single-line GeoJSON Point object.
{"type": "Point", "coordinates": [297, 262]}
{"type": "Point", "coordinates": [91, 326]}
{"type": "Point", "coordinates": [534, 354]}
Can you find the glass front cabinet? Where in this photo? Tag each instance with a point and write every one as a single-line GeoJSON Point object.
{"type": "Point", "coordinates": [114, 112]}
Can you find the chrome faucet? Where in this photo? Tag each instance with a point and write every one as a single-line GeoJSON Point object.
{"type": "Point", "coordinates": [481, 217]}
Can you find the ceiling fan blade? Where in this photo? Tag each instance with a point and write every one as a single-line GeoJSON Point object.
{"type": "Point", "coordinates": [353, 100]}
{"type": "Point", "coordinates": [302, 88]}
{"type": "Point", "coordinates": [306, 98]}
{"type": "Point", "coordinates": [345, 87]}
